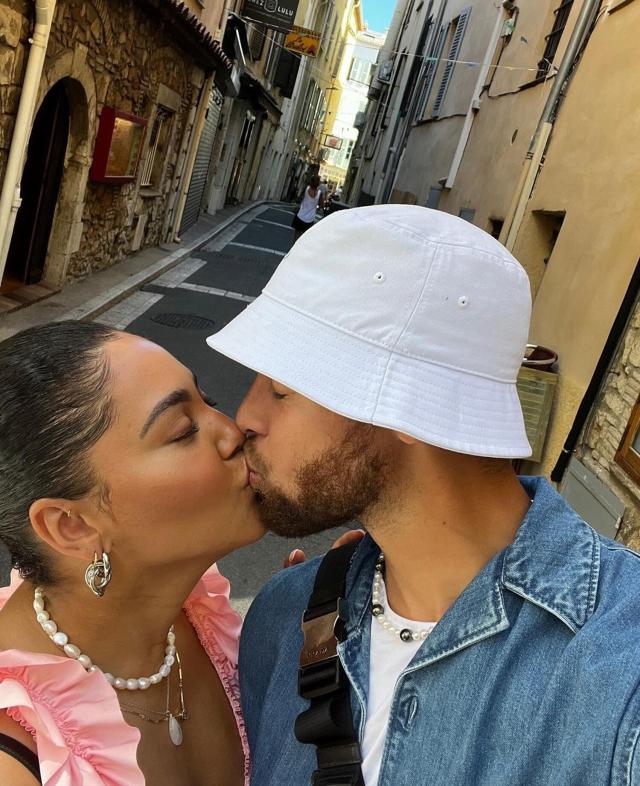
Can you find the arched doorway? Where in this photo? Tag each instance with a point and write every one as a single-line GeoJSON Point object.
{"type": "Point", "coordinates": [39, 188]}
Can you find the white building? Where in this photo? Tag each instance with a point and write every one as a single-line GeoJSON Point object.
{"type": "Point", "coordinates": [344, 118]}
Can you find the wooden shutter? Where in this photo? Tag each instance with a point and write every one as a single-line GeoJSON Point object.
{"type": "Point", "coordinates": [454, 51]}
{"type": "Point", "coordinates": [286, 73]}
{"type": "Point", "coordinates": [430, 72]}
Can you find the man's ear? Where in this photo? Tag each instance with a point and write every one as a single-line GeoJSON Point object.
{"type": "Point", "coordinates": [60, 524]}
{"type": "Point", "coordinates": [406, 438]}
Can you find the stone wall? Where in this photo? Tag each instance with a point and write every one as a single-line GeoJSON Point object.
{"type": "Point", "coordinates": [131, 56]}
{"type": "Point", "coordinates": [606, 426]}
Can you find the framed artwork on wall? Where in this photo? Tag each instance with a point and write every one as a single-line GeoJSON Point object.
{"type": "Point", "coordinates": [118, 147]}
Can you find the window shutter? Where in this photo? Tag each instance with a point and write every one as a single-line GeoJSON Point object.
{"type": "Point", "coordinates": [286, 73]}
{"type": "Point", "coordinates": [454, 51]}
{"type": "Point", "coordinates": [430, 72]}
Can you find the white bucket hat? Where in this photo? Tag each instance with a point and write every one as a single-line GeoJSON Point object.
{"type": "Point", "coordinates": [399, 316]}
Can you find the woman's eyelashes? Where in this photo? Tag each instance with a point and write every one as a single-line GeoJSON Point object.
{"type": "Point", "coordinates": [194, 428]}
{"type": "Point", "coordinates": [207, 399]}
{"type": "Point", "coordinates": [190, 432]}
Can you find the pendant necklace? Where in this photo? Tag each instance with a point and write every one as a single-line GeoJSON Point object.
{"type": "Point", "coordinates": [156, 716]}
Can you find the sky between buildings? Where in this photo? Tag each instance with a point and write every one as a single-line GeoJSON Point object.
{"type": "Point", "coordinates": [377, 13]}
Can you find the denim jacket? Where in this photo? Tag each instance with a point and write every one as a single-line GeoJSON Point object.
{"type": "Point", "coordinates": [531, 678]}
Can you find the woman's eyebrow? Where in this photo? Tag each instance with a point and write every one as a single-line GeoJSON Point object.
{"type": "Point", "coordinates": [177, 397]}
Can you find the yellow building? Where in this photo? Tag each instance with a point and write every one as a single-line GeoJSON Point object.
{"type": "Point", "coordinates": [314, 96]}
{"type": "Point", "coordinates": [348, 101]}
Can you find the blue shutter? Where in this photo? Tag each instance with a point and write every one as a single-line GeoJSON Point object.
{"type": "Point", "coordinates": [430, 72]}
{"type": "Point", "coordinates": [454, 51]}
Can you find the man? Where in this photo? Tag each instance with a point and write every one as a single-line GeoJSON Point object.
{"type": "Point", "coordinates": [496, 643]}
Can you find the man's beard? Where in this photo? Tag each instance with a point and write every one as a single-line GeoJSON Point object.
{"type": "Point", "coordinates": [332, 490]}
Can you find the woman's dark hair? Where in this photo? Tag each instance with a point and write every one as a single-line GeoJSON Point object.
{"type": "Point", "coordinates": [314, 182]}
{"type": "Point", "coordinates": [55, 405]}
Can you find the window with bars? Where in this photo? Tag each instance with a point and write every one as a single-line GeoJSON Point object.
{"type": "Point", "coordinates": [158, 139]}
{"type": "Point", "coordinates": [561, 17]}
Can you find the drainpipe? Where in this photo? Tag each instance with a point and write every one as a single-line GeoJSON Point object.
{"type": "Point", "coordinates": [543, 130]}
{"type": "Point", "coordinates": [474, 106]}
{"type": "Point", "coordinates": [191, 156]}
{"type": "Point", "coordinates": [10, 199]}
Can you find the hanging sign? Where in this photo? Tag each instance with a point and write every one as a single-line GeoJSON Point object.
{"type": "Point", "coordinates": [272, 13]}
{"type": "Point", "coordinates": [334, 142]}
{"type": "Point", "coordinates": [303, 41]}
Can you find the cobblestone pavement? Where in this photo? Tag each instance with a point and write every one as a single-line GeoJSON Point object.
{"type": "Point", "coordinates": [182, 307]}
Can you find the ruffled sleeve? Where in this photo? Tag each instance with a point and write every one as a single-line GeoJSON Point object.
{"type": "Point", "coordinates": [74, 717]}
{"type": "Point", "coordinates": [209, 608]}
{"type": "Point", "coordinates": [218, 627]}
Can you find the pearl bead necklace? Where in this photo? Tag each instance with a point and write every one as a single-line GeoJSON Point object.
{"type": "Point", "coordinates": [377, 609]}
{"type": "Point", "coordinates": [61, 640]}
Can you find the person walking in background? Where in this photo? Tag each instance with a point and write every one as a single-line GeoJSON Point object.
{"type": "Point", "coordinates": [306, 214]}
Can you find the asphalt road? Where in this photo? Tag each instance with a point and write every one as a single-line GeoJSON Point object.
{"type": "Point", "coordinates": [182, 307]}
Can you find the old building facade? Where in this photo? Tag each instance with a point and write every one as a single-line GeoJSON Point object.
{"type": "Point", "coordinates": [150, 62]}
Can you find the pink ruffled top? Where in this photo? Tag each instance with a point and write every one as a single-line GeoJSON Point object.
{"type": "Point", "coordinates": [74, 716]}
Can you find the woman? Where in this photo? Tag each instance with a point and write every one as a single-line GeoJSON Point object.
{"type": "Point", "coordinates": [306, 214]}
{"type": "Point", "coordinates": [119, 487]}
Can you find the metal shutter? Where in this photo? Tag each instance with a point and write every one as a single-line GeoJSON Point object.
{"type": "Point", "coordinates": [454, 51]}
{"type": "Point", "coordinates": [201, 165]}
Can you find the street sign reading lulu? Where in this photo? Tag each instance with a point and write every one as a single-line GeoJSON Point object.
{"type": "Point", "coordinates": [303, 41]}
{"type": "Point", "coordinates": [278, 14]}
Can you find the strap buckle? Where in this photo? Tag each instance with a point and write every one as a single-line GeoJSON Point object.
{"type": "Point", "coordinates": [321, 634]}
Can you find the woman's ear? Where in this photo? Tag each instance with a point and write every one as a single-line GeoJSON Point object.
{"type": "Point", "coordinates": [64, 529]}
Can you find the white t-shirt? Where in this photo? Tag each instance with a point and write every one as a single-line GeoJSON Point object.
{"type": "Point", "coordinates": [389, 658]}
{"type": "Point", "coordinates": [307, 212]}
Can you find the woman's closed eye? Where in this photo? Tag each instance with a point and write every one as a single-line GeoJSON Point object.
{"type": "Point", "coordinates": [188, 433]}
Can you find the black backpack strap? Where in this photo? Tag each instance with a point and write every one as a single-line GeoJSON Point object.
{"type": "Point", "coordinates": [21, 753]}
{"type": "Point", "coordinates": [328, 722]}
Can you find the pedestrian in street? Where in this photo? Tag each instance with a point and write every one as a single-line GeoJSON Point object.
{"type": "Point", "coordinates": [482, 634]}
{"type": "Point", "coordinates": [311, 201]}
{"type": "Point", "coordinates": [120, 487]}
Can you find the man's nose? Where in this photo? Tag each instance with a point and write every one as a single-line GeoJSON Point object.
{"type": "Point", "coordinates": [250, 417]}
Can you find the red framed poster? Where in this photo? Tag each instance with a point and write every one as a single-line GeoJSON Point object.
{"type": "Point", "coordinates": [118, 147]}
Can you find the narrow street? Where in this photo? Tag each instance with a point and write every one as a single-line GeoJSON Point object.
{"type": "Point", "coordinates": [182, 307]}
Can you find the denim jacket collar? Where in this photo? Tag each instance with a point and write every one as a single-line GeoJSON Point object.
{"type": "Point", "coordinates": [551, 565]}
{"type": "Point", "coordinates": [554, 565]}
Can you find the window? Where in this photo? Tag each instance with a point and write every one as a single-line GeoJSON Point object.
{"type": "Point", "coordinates": [628, 454]}
{"type": "Point", "coordinates": [257, 37]}
{"type": "Point", "coordinates": [561, 16]}
{"type": "Point", "coordinates": [391, 95]}
{"type": "Point", "coordinates": [337, 59]}
{"type": "Point", "coordinates": [468, 213]}
{"type": "Point", "coordinates": [456, 34]}
{"type": "Point", "coordinates": [495, 227]}
{"type": "Point", "coordinates": [433, 200]}
{"type": "Point", "coordinates": [416, 67]}
{"type": "Point", "coordinates": [430, 72]}
{"type": "Point", "coordinates": [274, 53]}
{"type": "Point", "coordinates": [157, 148]}
{"type": "Point", "coordinates": [547, 225]}
{"type": "Point", "coordinates": [360, 71]}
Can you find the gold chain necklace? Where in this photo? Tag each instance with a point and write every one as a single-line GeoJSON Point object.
{"type": "Point", "coordinates": [175, 730]}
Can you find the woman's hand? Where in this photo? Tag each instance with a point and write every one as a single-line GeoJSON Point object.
{"type": "Point", "coordinates": [297, 556]}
